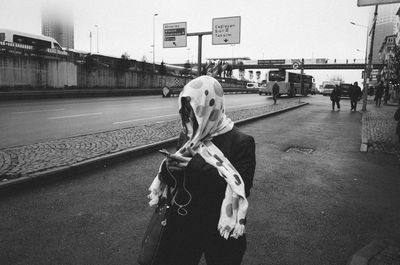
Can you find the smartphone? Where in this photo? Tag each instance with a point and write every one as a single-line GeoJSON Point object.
{"type": "Point", "coordinates": [164, 152]}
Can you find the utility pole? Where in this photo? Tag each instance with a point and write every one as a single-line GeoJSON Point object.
{"type": "Point", "coordinates": [90, 36]}
{"type": "Point", "coordinates": [97, 26]}
{"type": "Point", "coordinates": [154, 47]}
{"type": "Point", "coordinates": [368, 70]}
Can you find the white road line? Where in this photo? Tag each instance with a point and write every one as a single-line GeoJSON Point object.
{"type": "Point", "coordinates": [150, 118]}
{"type": "Point", "coordinates": [36, 111]}
{"type": "Point", "coordinates": [74, 116]}
{"type": "Point", "coordinates": [244, 105]}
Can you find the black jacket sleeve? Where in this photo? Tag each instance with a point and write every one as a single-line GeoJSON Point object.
{"type": "Point", "coordinates": [397, 115]}
{"type": "Point", "coordinates": [244, 160]}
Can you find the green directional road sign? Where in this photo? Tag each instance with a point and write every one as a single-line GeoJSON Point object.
{"type": "Point", "coordinates": [174, 35]}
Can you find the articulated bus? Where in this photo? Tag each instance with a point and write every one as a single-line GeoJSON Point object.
{"type": "Point", "coordinates": [289, 83]}
{"type": "Point", "coordinates": [37, 41]}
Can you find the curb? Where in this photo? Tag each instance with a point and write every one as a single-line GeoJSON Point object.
{"type": "Point", "coordinates": [371, 251]}
{"type": "Point", "coordinates": [109, 159]}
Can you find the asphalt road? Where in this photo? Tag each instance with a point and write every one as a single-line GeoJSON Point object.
{"type": "Point", "coordinates": [317, 208]}
{"type": "Point", "coordinates": [25, 122]}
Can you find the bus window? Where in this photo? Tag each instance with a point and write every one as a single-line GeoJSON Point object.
{"type": "Point", "coordinates": [56, 46]}
{"type": "Point", "coordinates": [2, 36]}
{"type": "Point", "coordinates": [276, 76]}
{"type": "Point", "coordinates": [41, 44]}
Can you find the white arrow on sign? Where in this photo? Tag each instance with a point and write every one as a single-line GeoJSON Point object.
{"type": "Point", "coordinates": [296, 65]}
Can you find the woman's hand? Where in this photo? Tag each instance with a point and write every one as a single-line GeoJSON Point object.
{"type": "Point", "coordinates": [177, 162]}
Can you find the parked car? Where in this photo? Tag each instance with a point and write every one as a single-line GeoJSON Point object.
{"type": "Point", "coordinates": [345, 89]}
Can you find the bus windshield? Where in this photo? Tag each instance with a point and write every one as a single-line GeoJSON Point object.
{"type": "Point", "coordinates": [276, 76]}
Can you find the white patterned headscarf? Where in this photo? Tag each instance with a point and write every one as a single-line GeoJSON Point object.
{"type": "Point", "coordinates": [206, 98]}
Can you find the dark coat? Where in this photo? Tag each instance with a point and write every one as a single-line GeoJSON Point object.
{"type": "Point", "coordinates": [397, 118]}
{"type": "Point", "coordinates": [336, 95]}
{"type": "Point", "coordinates": [198, 228]}
{"type": "Point", "coordinates": [355, 93]}
{"type": "Point", "coordinates": [379, 91]}
{"type": "Point", "coordinates": [275, 89]}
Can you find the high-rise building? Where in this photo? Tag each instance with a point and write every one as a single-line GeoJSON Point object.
{"type": "Point", "coordinates": [385, 26]}
{"type": "Point", "coordinates": [58, 25]}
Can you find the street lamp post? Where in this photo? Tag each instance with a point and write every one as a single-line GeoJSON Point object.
{"type": "Point", "coordinates": [366, 70]}
{"type": "Point", "coordinates": [90, 36]}
{"type": "Point", "coordinates": [154, 47]}
{"type": "Point", "coordinates": [97, 27]}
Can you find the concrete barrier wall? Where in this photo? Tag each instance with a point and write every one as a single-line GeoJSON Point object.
{"type": "Point", "coordinates": [29, 72]}
{"type": "Point", "coordinates": [34, 72]}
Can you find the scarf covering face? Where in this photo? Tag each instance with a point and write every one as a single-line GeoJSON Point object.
{"type": "Point", "coordinates": [207, 102]}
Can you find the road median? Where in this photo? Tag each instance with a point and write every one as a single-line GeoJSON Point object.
{"type": "Point", "coordinates": [69, 157]}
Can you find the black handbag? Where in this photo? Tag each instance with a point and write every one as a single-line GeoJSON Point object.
{"type": "Point", "coordinates": [153, 236]}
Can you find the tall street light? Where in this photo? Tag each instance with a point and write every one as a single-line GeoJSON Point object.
{"type": "Point", "coordinates": [154, 47]}
{"type": "Point", "coordinates": [366, 70]}
{"type": "Point", "coordinates": [188, 54]}
{"type": "Point", "coordinates": [97, 27]}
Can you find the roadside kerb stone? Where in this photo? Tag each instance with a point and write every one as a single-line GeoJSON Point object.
{"type": "Point", "coordinates": [378, 252]}
{"type": "Point", "coordinates": [71, 156]}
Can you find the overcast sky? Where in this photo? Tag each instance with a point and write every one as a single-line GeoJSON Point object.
{"type": "Point", "coordinates": [270, 29]}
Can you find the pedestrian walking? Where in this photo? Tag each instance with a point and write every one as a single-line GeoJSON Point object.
{"type": "Point", "coordinates": [275, 91]}
{"type": "Point", "coordinates": [386, 96]}
{"type": "Point", "coordinates": [397, 118]}
{"type": "Point", "coordinates": [210, 176]}
{"type": "Point", "coordinates": [379, 93]}
{"type": "Point", "coordinates": [335, 97]}
{"type": "Point", "coordinates": [355, 96]}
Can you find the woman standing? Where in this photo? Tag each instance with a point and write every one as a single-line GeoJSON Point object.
{"type": "Point", "coordinates": [210, 175]}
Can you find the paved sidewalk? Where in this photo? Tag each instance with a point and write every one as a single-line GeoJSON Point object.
{"type": "Point", "coordinates": [379, 136]}
{"type": "Point", "coordinates": [379, 129]}
{"type": "Point", "coordinates": [27, 161]}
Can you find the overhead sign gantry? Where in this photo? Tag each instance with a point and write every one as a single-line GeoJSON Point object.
{"type": "Point", "coordinates": [225, 31]}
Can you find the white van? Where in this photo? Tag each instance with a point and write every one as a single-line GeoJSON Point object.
{"type": "Point", "coordinates": [327, 88]}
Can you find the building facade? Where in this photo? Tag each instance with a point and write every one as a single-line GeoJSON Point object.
{"type": "Point", "coordinates": [386, 25]}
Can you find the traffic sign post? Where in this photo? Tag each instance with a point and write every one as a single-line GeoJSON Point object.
{"type": "Point", "coordinates": [226, 30]}
{"type": "Point", "coordinates": [301, 78]}
{"type": "Point", "coordinates": [175, 35]}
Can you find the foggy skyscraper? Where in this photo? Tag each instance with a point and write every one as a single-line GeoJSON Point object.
{"type": "Point", "coordinates": [58, 24]}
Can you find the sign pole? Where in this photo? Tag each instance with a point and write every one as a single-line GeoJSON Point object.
{"type": "Point", "coordinates": [301, 78]}
{"type": "Point", "coordinates": [199, 48]}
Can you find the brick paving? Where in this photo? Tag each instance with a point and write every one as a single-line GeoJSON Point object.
{"type": "Point", "coordinates": [21, 161]}
{"type": "Point", "coordinates": [379, 128]}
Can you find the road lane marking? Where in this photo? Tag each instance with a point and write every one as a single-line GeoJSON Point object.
{"type": "Point", "coordinates": [156, 117]}
{"type": "Point", "coordinates": [245, 105]}
{"type": "Point", "coordinates": [35, 111]}
{"type": "Point", "coordinates": [143, 119]}
{"type": "Point", "coordinates": [75, 116]}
